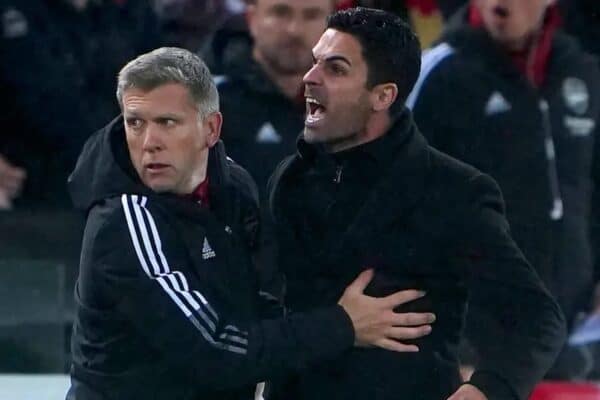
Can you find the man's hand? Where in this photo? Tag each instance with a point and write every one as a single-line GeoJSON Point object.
{"type": "Point", "coordinates": [468, 392]}
{"type": "Point", "coordinates": [11, 182]}
{"type": "Point", "coordinates": [375, 322]}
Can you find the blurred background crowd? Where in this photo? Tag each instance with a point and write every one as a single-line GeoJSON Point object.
{"type": "Point", "coordinates": [58, 64]}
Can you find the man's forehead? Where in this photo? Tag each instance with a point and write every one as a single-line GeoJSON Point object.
{"type": "Point", "coordinates": [170, 96]}
{"type": "Point", "coordinates": [336, 43]}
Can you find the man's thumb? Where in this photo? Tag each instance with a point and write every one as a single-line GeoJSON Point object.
{"type": "Point", "coordinates": [362, 281]}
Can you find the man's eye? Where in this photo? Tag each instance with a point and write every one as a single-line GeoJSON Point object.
{"type": "Point", "coordinates": [168, 122]}
{"type": "Point", "coordinates": [336, 69]}
{"type": "Point", "coordinates": [134, 123]}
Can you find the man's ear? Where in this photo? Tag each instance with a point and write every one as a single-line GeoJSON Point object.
{"type": "Point", "coordinates": [213, 123]}
{"type": "Point", "coordinates": [383, 96]}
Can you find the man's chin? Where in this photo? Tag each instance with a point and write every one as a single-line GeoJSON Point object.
{"type": "Point", "coordinates": [159, 187]}
{"type": "Point", "coordinates": [310, 135]}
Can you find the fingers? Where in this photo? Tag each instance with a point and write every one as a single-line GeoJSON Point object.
{"type": "Point", "coordinates": [361, 282]}
{"type": "Point", "coordinates": [393, 345]}
{"type": "Point", "coordinates": [402, 297]}
{"type": "Point", "coordinates": [404, 333]}
{"type": "Point", "coordinates": [412, 319]}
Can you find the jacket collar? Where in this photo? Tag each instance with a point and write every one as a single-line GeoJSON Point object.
{"type": "Point", "coordinates": [401, 186]}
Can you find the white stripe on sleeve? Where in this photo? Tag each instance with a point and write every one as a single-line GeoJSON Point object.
{"type": "Point", "coordinates": [174, 283]}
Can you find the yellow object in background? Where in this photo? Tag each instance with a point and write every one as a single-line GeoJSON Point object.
{"type": "Point", "coordinates": [427, 26]}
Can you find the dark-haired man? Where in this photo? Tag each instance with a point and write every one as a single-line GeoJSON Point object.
{"type": "Point", "coordinates": [365, 190]}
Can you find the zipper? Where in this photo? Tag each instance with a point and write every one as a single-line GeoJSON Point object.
{"type": "Point", "coordinates": [338, 174]}
{"type": "Point", "coordinates": [557, 210]}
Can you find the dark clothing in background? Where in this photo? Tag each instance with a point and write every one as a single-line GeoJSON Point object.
{"type": "Point", "coordinates": [167, 301]}
{"type": "Point", "coordinates": [422, 220]}
{"type": "Point", "coordinates": [57, 79]}
{"type": "Point", "coordinates": [188, 23]}
{"type": "Point", "coordinates": [229, 47]}
{"type": "Point", "coordinates": [261, 124]}
{"type": "Point", "coordinates": [260, 128]}
{"type": "Point", "coordinates": [472, 102]}
{"type": "Point", "coordinates": [582, 20]}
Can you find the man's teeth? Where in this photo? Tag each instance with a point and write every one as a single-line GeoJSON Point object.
{"type": "Point", "coordinates": [314, 106]}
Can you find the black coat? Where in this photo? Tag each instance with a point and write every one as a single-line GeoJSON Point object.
{"type": "Point", "coordinates": [427, 222]}
{"type": "Point", "coordinates": [539, 144]}
{"type": "Point", "coordinates": [166, 300]}
{"type": "Point", "coordinates": [260, 128]}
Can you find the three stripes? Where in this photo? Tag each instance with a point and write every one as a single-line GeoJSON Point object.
{"type": "Point", "coordinates": [148, 248]}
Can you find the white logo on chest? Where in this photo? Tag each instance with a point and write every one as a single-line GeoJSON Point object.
{"type": "Point", "coordinates": [268, 134]}
{"type": "Point", "coordinates": [207, 251]}
{"type": "Point", "coordinates": [497, 104]}
{"type": "Point", "coordinates": [576, 95]}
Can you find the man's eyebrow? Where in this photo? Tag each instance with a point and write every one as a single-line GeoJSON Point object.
{"type": "Point", "coordinates": [129, 113]}
{"type": "Point", "coordinates": [334, 57]}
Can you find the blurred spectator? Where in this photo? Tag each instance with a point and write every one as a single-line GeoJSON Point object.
{"type": "Point", "coordinates": [188, 23]}
{"type": "Point", "coordinates": [58, 62]}
{"type": "Point", "coordinates": [262, 91]}
{"type": "Point", "coordinates": [229, 45]}
{"type": "Point", "coordinates": [508, 93]}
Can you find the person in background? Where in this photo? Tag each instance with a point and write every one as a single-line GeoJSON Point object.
{"type": "Point", "coordinates": [55, 81]}
{"type": "Point", "coordinates": [261, 93]}
{"type": "Point", "coordinates": [506, 91]}
{"type": "Point", "coordinates": [189, 23]}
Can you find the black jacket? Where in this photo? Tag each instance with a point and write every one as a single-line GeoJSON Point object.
{"type": "Point", "coordinates": [58, 69]}
{"type": "Point", "coordinates": [260, 128]}
{"type": "Point", "coordinates": [539, 144]}
{"type": "Point", "coordinates": [428, 222]}
{"type": "Point", "coordinates": [166, 298]}
{"type": "Point", "coordinates": [261, 124]}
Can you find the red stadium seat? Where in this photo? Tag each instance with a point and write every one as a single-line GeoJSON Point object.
{"type": "Point", "coordinates": [566, 391]}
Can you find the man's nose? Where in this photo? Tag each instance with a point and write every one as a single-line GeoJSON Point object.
{"type": "Point", "coordinates": [313, 76]}
{"type": "Point", "coordinates": [295, 26]}
{"type": "Point", "coordinates": [152, 139]}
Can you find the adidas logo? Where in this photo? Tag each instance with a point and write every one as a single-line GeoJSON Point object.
{"type": "Point", "coordinates": [268, 134]}
{"type": "Point", "coordinates": [207, 251]}
{"type": "Point", "coordinates": [497, 104]}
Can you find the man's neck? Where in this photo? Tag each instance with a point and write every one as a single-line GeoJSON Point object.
{"type": "Point", "coordinates": [288, 84]}
{"type": "Point", "coordinates": [520, 45]}
{"type": "Point", "coordinates": [378, 125]}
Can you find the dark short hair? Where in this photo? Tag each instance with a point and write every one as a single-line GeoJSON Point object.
{"type": "Point", "coordinates": [390, 48]}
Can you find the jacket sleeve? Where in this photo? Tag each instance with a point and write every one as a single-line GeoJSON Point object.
{"type": "Point", "coordinates": [513, 322]}
{"type": "Point", "coordinates": [175, 313]}
{"type": "Point", "coordinates": [433, 99]}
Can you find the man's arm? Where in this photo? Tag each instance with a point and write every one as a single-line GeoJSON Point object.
{"type": "Point", "coordinates": [178, 315]}
{"type": "Point", "coordinates": [514, 323]}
